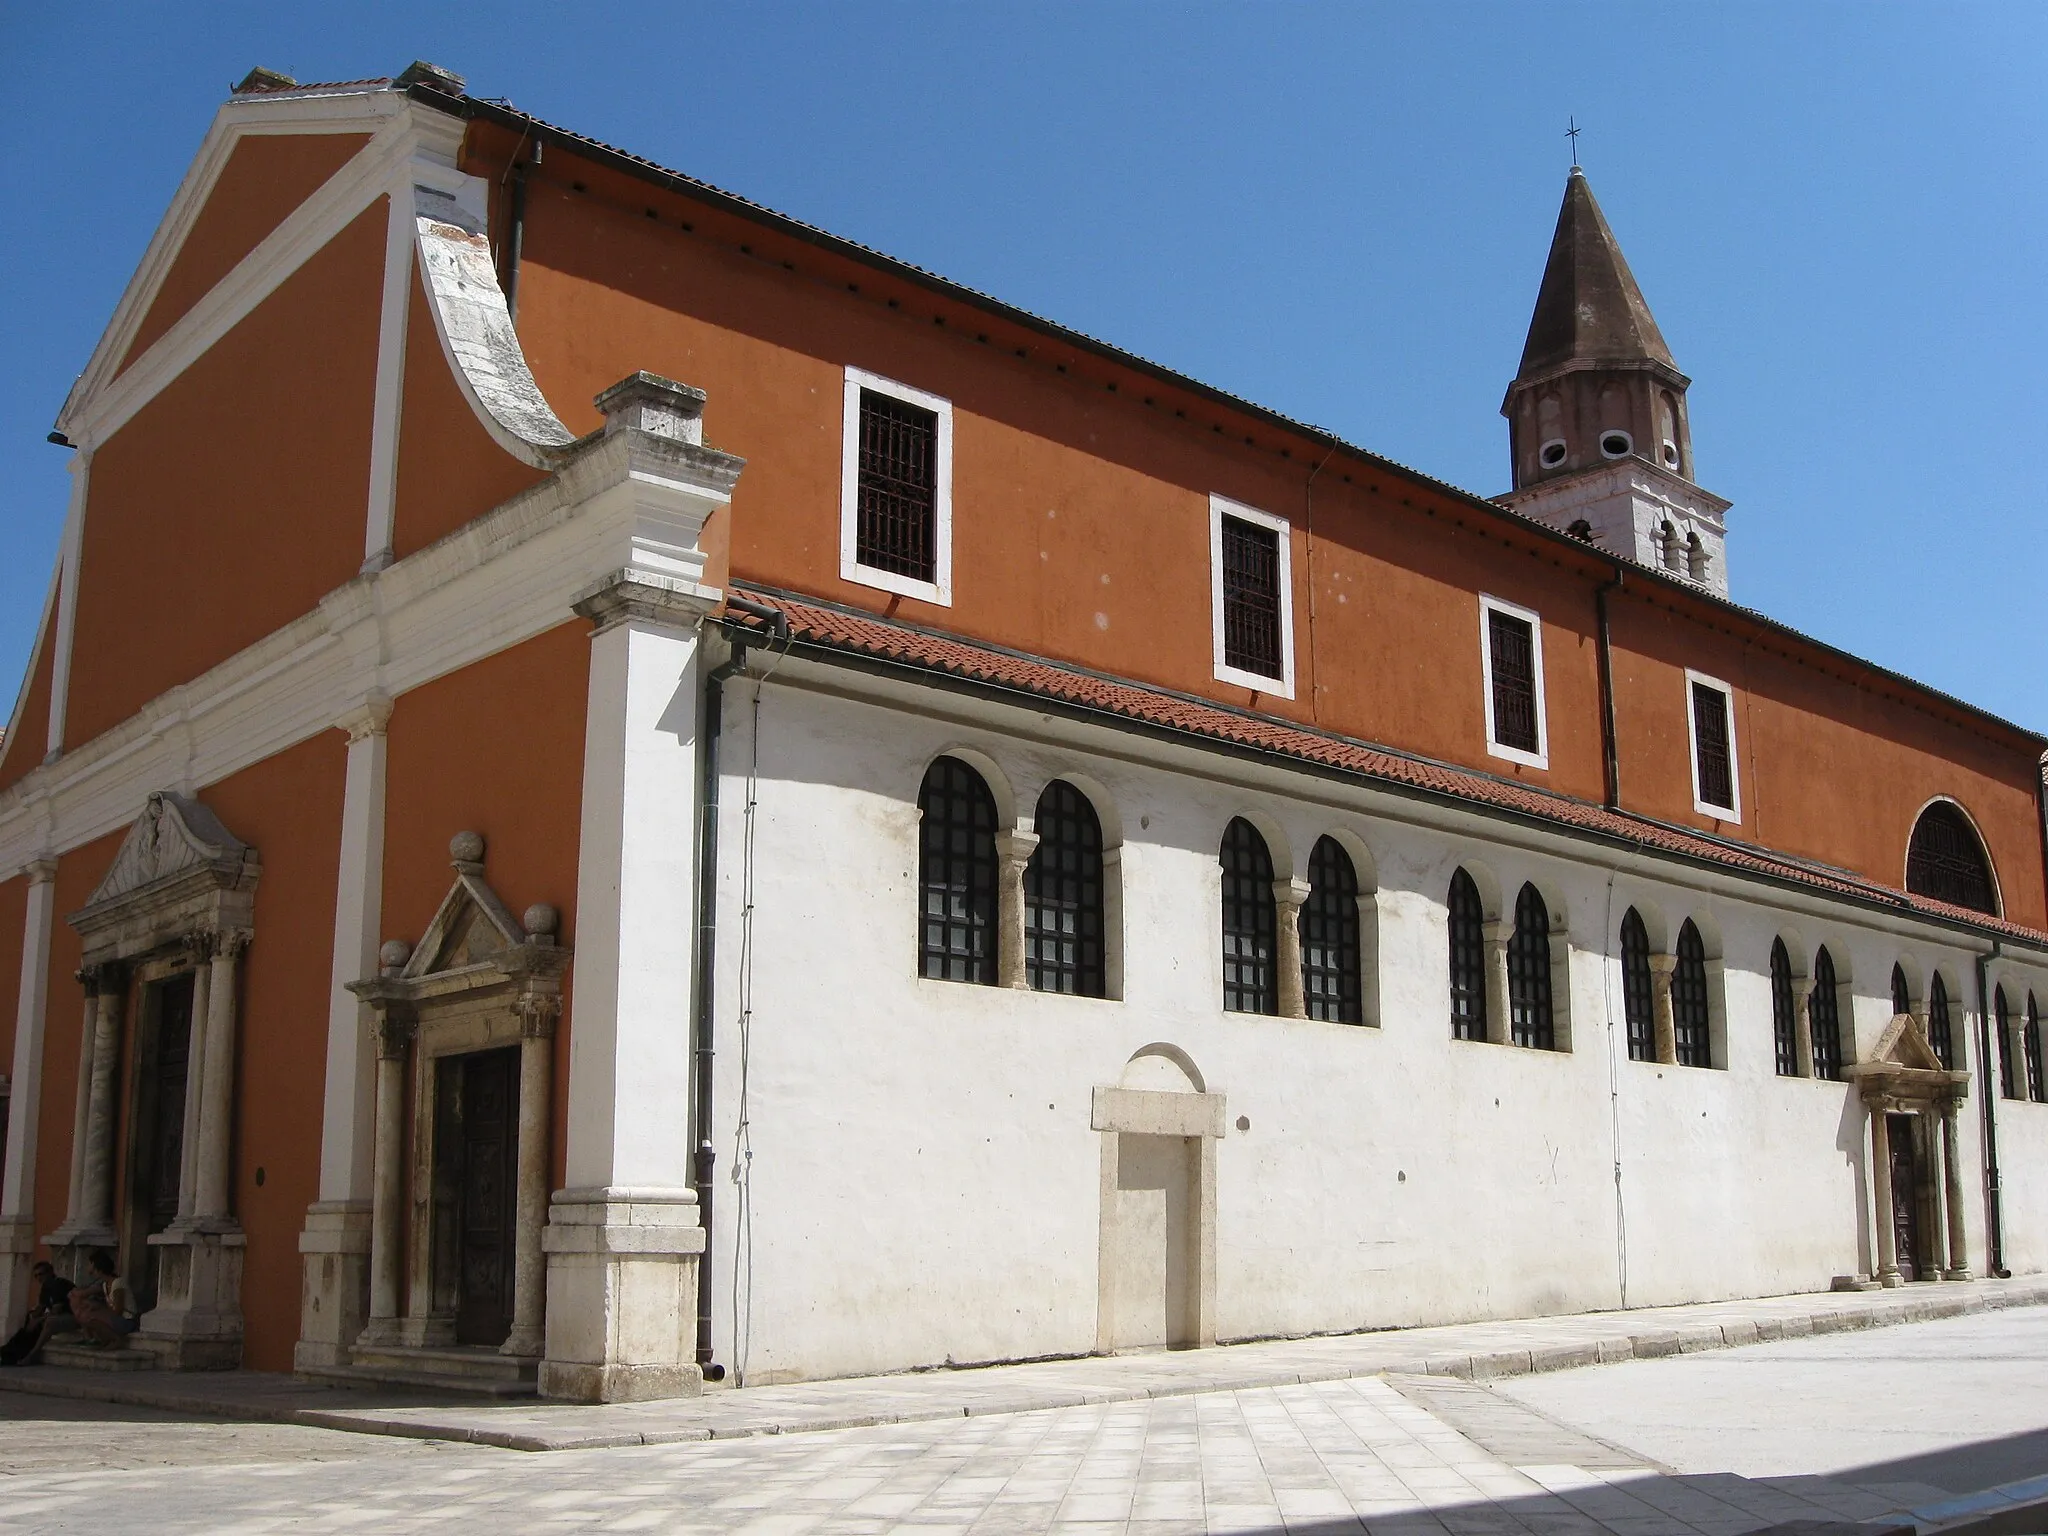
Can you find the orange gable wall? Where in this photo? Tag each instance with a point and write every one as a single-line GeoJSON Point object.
{"type": "Point", "coordinates": [496, 748]}
{"type": "Point", "coordinates": [79, 873]}
{"type": "Point", "coordinates": [26, 747]}
{"type": "Point", "coordinates": [234, 500]}
{"type": "Point", "coordinates": [450, 469]}
{"type": "Point", "coordinates": [267, 176]}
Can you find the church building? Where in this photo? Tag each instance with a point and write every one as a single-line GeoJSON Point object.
{"type": "Point", "coordinates": [614, 790]}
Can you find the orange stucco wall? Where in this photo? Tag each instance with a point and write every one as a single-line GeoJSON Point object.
{"type": "Point", "coordinates": [449, 468]}
{"type": "Point", "coordinates": [266, 178]}
{"type": "Point", "coordinates": [237, 497]}
{"type": "Point", "coordinates": [496, 748]}
{"type": "Point", "coordinates": [30, 740]}
{"type": "Point", "coordinates": [13, 913]}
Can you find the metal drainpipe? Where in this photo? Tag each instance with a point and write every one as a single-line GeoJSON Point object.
{"type": "Point", "coordinates": [515, 234]}
{"type": "Point", "coordinates": [1991, 1090]}
{"type": "Point", "coordinates": [1610, 748]}
{"type": "Point", "coordinates": [706, 955]}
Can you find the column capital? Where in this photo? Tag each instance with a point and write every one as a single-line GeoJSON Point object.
{"type": "Point", "coordinates": [538, 1014]}
{"type": "Point", "coordinates": [100, 977]}
{"type": "Point", "coordinates": [40, 871]}
{"type": "Point", "coordinates": [229, 943]}
{"type": "Point", "coordinates": [368, 718]}
{"type": "Point", "coordinates": [1016, 846]}
{"type": "Point", "coordinates": [1663, 966]}
{"type": "Point", "coordinates": [1291, 893]}
{"type": "Point", "coordinates": [395, 1029]}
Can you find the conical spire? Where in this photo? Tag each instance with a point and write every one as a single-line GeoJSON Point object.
{"type": "Point", "coordinates": [1589, 308]}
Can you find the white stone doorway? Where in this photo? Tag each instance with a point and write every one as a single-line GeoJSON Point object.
{"type": "Point", "coordinates": [1156, 1275]}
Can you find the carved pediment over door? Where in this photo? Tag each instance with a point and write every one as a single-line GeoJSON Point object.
{"type": "Point", "coordinates": [179, 872]}
{"type": "Point", "coordinates": [1903, 1068]}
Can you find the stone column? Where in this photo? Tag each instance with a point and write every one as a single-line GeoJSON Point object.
{"type": "Point", "coordinates": [1952, 1181]}
{"type": "Point", "coordinates": [25, 1084]}
{"type": "Point", "coordinates": [1662, 969]}
{"type": "Point", "coordinates": [1802, 1025]}
{"type": "Point", "coordinates": [1887, 1244]}
{"type": "Point", "coordinates": [387, 1189]}
{"type": "Point", "coordinates": [1013, 851]}
{"type": "Point", "coordinates": [537, 1015]}
{"type": "Point", "coordinates": [201, 949]}
{"type": "Point", "coordinates": [97, 1190]}
{"type": "Point", "coordinates": [1499, 1023]}
{"type": "Point", "coordinates": [1934, 1263]}
{"type": "Point", "coordinates": [1288, 895]}
{"type": "Point", "coordinates": [217, 1085]}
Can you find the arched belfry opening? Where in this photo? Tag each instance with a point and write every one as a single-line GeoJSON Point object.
{"type": "Point", "coordinates": [1598, 427]}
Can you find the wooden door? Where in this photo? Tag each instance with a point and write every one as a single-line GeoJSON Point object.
{"type": "Point", "coordinates": [1905, 1194]}
{"type": "Point", "coordinates": [155, 1152]}
{"type": "Point", "coordinates": [476, 1147]}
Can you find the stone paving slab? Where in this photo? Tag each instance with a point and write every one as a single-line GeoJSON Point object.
{"type": "Point", "coordinates": [1472, 1351]}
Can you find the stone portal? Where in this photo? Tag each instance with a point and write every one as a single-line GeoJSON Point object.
{"type": "Point", "coordinates": [1918, 1228]}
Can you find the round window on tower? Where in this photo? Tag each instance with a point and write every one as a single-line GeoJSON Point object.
{"type": "Point", "coordinates": [1616, 445]}
{"type": "Point", "coordinates": [1670, 454]}
{"type": "Point", "coordinates": [1551, 454]}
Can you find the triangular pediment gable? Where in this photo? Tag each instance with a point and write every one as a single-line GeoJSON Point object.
{"type": "Point", "coordinates": [174, 836]}
{"type": "Point", "coordinates": [1904, 1044]}
{"type": "Point", "coordinates": [471, 927]}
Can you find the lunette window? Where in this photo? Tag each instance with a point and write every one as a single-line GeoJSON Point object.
{"type": "Point", "coordinates": [1530, 1017]}
{"type": "Point", "coordinates": [956, 835]}
{"type": "Point", "coordinates": [896, 493]}
{"type": "Point", "coordinates": [1250, 976]}
{"type": "Point", "coordinates": [1713, 748]}
{"type": "Point", "coordinates": [1691, 1028]}
{"type": "Point", "coordinates": [1331, 984]}
{"type": "Point", "coordinates": [1063, 891]}
{"type": "Point", "coordinates": [1468, 959]}
{"type": "Point", "coordinates": [1824, 1017]}
{"type": "Point", "coordinates": [1946, 860]}
{"type": "Point", "coordinates": [1511, 648]}
{"type": "Point", "coordinates": [1638, 1000]}
{"type": "Point", "coordinates": [1784, 1012]}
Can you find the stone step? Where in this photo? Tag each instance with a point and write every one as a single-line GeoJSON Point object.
{"type": "Point", "coordinates": [81, 1356]}
{"type": "Point", "coordinates": [475, 1369]}
{"type": "Point", "coordinates": [424, 1381]}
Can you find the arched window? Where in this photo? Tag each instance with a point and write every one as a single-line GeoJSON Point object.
{"type": "Point", "coordinates": [1939, 1036]}
{"type": "Point", "coordinates": [956, 840]}
{"type": "Point", "coordinates": [1063, 896]}
{"type": "Point", "coordinates": [1824, 1015]}
{"type": "Point", "coordinates": [1330, 983]}
{"type": "Point", "coordinates": [1946, 861]}
{"type": "Point", "coordinates": [1691, 1036]}
{"type": "Point", "coordinates": [1468, 960]}
{"type": "Point", "coordinates": [2008, 1082]}
{"type": "Point", "coordinates": [2030, 1047]}
{"type": "Point", "coordinates": [1250, 981]}
{"type": "Point", "coordinates": [1902, 998]}
{"type": "Point", "coordinates": [1695, 557]}
{"type": "Point", "coordinates": [1529, 1011]}
{"type": "Point", "coordinates": [1667, 547]}
{"type": "Point", "coordinates": [1638, 1005]}
{"type": "Point", "coordinates": [1784, 1011]}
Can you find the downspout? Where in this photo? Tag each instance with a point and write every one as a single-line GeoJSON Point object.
{"type": "Point", "coordinates": [1992, 1189]}
{"type": "Point", "coordinates": [1610, 750]}
{"type": "Point", "coordinates": [705, 959]}
{"type": "Point", "coordinates": [515, 232]}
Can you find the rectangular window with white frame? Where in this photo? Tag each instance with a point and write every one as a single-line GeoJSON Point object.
{"type": "Point", "coordinates": [896, 489]}
{"type": "Point", "coordinates": [1511, 657]}
{"type": "Point", "coordinates": [1710, 719]}
{"type": "Point", "coordinates": [1251, 591]}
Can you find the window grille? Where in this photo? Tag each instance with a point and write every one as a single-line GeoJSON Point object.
{"type": "Point", "coordinates": [1710, 736]}
{"type": "Point", "coordinates": [1638, 1002]}
{"type": "Point", "coordinates": [1063, 896]}
{"type": "Point", "coordinates": [896, 521]}
{"type": "Point", "coordinates": [1946, 861]}
{"type": "Point", "coordinates": [1902, 1001]}
{"type": "Point", "coordinates": [1784, 1011]}
{"type": "Point", "coordinates": [1824, 1016]}
{"type": "Point", "coordinates": [1529, 1012]}
{"type": "Point", "coordinates": [1251, 598]}
{"type": "Point", "coordinates": [956, 837]}
{"type": "Point", "coordinates": [1468, 960]}
{"type": "Point", "coordinates": [2030, 1047]}
{"type": "Point", "coordinates": [1250, 979]}
{"type": "Point", "coordinates": [2008, 1081]}
{"type": "Point", "coordinates": [1330, 979]}
{"type": "Point", "coordinates": [1512, 643]}
{"type": "Point", "coordinates": [1691, 1031]}
{"type": "Point", "coordinates": [1939, 1035]}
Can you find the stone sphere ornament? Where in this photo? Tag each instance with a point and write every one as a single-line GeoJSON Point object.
{"type": "Point", "coordinates": [541, 919]}
{"type": "Point", "coordinates": [394, 954]}
{"type": "Point", "coordinates": [466, 848]}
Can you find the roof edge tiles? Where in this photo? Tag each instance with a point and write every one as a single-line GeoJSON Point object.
{"type": "Point", "coordinates": [844, 632]}
{"type": "Point", "coordinates": [504, 115]}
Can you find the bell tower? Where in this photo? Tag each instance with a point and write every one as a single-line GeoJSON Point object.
{"type": "Point", "coordinates": [1597, 425]}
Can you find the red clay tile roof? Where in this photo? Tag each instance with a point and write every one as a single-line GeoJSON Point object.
{"type": "Point", "coordinates": [837, 629]}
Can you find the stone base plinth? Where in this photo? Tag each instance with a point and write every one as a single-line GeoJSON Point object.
{"type": "Point", "coordinates": [17, 1252]}
{"type": "Point", "coordinates": [334, 1298]}
{"type": "Point", "coordinates": [196, 1324]}
{"type": "Point", "coordinates": [70, 1246]}
{"type": "Point", "coordinates": [622, 1295]}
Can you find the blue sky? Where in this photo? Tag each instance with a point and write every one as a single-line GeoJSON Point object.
{"type": "Point", "coordinates": [1339, 210]}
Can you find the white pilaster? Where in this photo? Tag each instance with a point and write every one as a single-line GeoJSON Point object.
{"type": "Point", "coordinates": [67, 601]}
{"type": "Point", "coordinates": [390, 389]}
{"type": "Point", "coordinates": [25, 1085]}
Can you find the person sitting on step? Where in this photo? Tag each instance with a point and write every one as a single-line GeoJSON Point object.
{"type": "Point", "coordinates": [104, 1306]}
{"type": "Point", "coordinates": [51, 1308]}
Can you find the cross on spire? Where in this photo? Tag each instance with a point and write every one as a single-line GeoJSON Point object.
{"type": "Point", "coordinates": [1572, 132]}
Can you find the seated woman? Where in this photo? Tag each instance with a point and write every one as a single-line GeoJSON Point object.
{"type": "Point", "coordinates": [104, 1306]}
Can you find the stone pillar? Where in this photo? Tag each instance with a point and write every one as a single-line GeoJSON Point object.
{"type": "Point", "coordinates": [88, 979]}
{"type": "Point", "coordinates": [387, 1198]}
{"type": "Point", "coordinates": [1887, 1236]}
{"type": "Point", "coordinates": [25, 1086]}
{"type": "Point", "coordinates": [217, 1085]}
{"type": "Point", "coordinates": [1499, 1024]}
{"type": "Point", "coordinates": [1662, 969]}
{"type": "Point", "coordinates": [1952, 1180]}
{"type": "Point", "coordinates": [201, 948]}
{"type": "Point", "coordinates": [537, 1015]}
{"type": "Point", "coordinates": [90, 1224]}
{"type": "Point", "coordinates": [1934, 1263]}
{"type": "Point", "coordinates": [1288, 895]}
{"type": "Point", "coordinates": [1013, 852]}
{"type": "Point", "coordinates": [1802, 1025]}
{"type": "Point", "coordinates": [334, 1296]}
